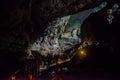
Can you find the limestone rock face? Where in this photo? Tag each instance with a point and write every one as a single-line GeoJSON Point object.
{"type": "Point", "coordinates": [23, 21]}
{"type": "Point", "coordinates": [64, 33]}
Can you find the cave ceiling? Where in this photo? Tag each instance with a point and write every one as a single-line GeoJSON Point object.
{"type": "Point", "coordinates": [54, 26]}
{"type": "Point", "coordinates": [23, 22]}
{"type": "Point", "coordinates": [65, 32]}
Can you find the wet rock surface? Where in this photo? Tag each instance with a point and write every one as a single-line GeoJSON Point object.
{"type": "Point", "coordinates": [22, 22]}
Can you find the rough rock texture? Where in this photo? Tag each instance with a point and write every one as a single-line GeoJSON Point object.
{"type": "Point", "coordinates": [23, 21]}
{"type": "Point", "coordinates": [64, 33]}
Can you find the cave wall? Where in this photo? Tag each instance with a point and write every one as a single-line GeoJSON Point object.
{"type": "Point", "coordinates": [23, 21]}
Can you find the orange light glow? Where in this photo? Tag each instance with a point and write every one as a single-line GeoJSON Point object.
{"type": "Point", "coordinates": [60, 61]}
{"type": "Point", "coordinates": [82, 53]}
{"type": "Point", "coordinates": [30, 77]}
